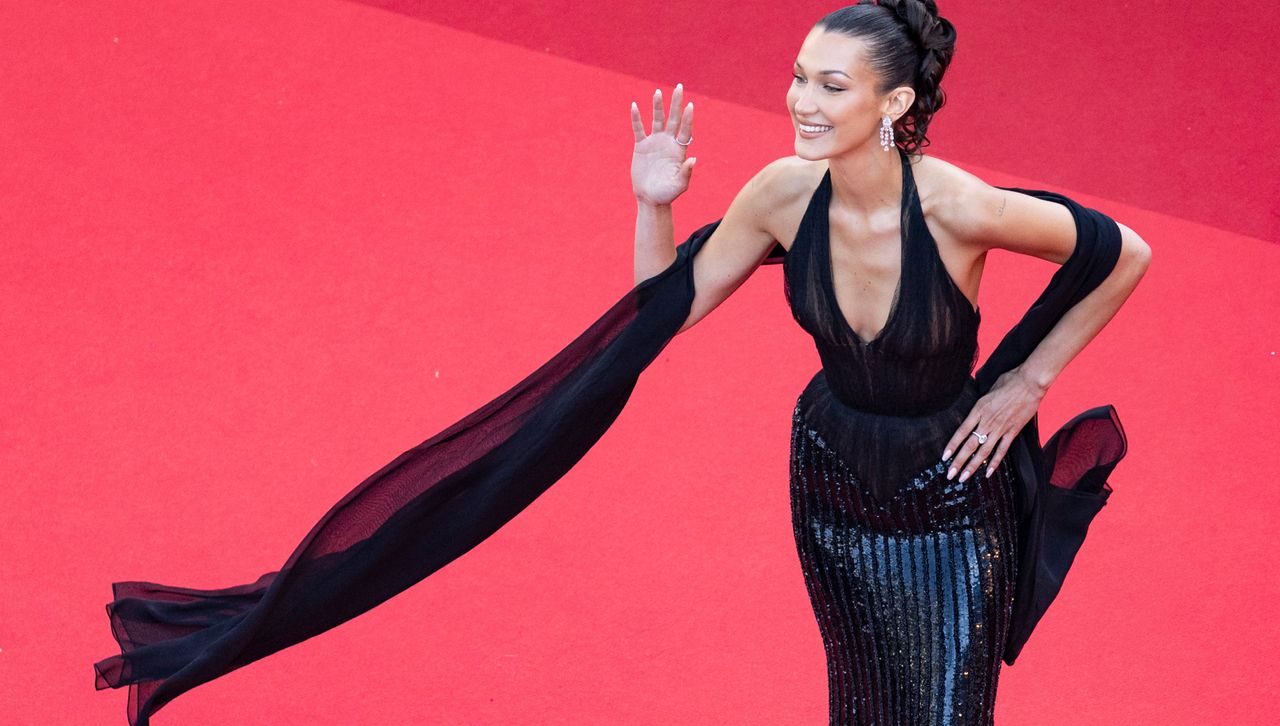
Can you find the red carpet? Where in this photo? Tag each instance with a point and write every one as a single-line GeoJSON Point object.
{"type": "Point", "coordinates": [1178, 99]}
{"type": "Point", "coordinates": [281, 243]}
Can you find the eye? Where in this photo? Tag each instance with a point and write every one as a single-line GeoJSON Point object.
{"type": "Point", "coordinates": [797, 78]}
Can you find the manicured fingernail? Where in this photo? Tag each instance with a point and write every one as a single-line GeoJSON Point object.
{"type": "Point", "coordinates": [964, 476]}
{"type": "Point", "coordinates": [946, 454]}
{"type": "Point", "coordinates": [951, 473]}
{"type": "Point", "coordinates": [989, 470]}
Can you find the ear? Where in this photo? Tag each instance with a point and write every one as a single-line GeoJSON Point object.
{"type": "Point", "coordinates": [898, 101]}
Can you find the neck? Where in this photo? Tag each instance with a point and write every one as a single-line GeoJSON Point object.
{"type": "Point", "coordinates": [866, 180]}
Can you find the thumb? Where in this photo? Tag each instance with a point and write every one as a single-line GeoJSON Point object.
{"type": "Point", "coordinates": [687, 167]}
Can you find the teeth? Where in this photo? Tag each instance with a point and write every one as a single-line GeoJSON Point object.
{"type": "Point", "coordinates": [814, 129]}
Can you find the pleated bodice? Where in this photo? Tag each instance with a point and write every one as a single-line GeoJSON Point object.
{"type": "Point", "coordinates": [889, 403]}
{"type": "Point", "coordinates": [920, 359]}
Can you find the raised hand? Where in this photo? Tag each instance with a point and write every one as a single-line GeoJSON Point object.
{"type": "Point", "coordinates": [659, 170]}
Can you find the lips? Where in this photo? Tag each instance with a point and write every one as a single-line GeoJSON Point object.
{"type": "Point", "coordinates": [812, 130]}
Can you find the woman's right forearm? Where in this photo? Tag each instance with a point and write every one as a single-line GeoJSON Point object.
{"type": "Point", "coordinates": [655, 240]}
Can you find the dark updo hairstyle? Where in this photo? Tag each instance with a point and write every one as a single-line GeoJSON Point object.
{"type": "Point", "coordinates": [908, 44]}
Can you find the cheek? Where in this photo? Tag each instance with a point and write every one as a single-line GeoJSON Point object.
{"type": "Point", "coordinates": [850, 115]}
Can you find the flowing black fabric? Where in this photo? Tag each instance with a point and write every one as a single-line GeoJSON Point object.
{"type": "Point", "coordinates": [441, 498]}
{"type": "Point", "coordinates": [430, 505]}
{"type": "Point", "coordinates": [1064, 485]}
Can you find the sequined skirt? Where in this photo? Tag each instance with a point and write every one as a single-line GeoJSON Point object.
{"type": "Point", "coordinates": [912, 595]}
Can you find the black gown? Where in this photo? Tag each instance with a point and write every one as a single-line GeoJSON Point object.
{"type": "Point", "coordinates": [911, 575]}
{"type": "Point", "coordinates": [443, 497]}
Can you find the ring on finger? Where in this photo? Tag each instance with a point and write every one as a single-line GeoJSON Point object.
{"type": "Point", "coordinates": [685, 143]}
{"type": "Point", "coordinates": [982, 438]}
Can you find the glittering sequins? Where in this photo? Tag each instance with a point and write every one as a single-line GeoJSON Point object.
{"type": "Point", "coordinates": [912, 595]}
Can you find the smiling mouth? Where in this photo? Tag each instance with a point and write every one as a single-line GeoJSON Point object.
{"type": "Point", "coordinates": [814, 129]}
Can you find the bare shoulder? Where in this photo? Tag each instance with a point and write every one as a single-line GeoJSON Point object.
{"type": "Point", "coordinates": [780, 194]}
{"type": "Point", "coordinates": [757, 218]}
{"type": "Point", "coordinates": [954, 201]}
{"type": "Point", "coordinates": [968, 213]}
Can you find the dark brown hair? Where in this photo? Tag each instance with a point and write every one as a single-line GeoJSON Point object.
{"type": "Point", "coordinates": [908, 44]}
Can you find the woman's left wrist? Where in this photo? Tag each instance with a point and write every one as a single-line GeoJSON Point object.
{"type": "Point", "coordinates": [1037, 380]}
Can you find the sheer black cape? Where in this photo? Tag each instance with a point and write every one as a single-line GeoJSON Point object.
{"type": "Point", "coordinates": [444, 496]}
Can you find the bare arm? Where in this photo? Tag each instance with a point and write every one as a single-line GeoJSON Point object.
{"type": "Point", "coordinates": [1045, 229]}
{"type": "Point", "coordinates": [660, 173]}
{"type": "Point", "coordinates": [733, 251]}
{"type": "Point", "coordinates": [737, 246]}
{"type": "Point", "coordinates": [1041, 228]}
{"type": "Point", "coordinates": [655, 239]}
{"type": "Point", "coordinates": [1083, 322]}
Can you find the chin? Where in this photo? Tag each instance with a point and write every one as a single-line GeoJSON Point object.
{"type": "Point", "coordinates": [806, 151]}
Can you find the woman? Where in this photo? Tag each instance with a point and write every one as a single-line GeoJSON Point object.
{"type": "Point", "coordinates": [909, 571]}
{"type": "Point", "coordinates": [903, 503]}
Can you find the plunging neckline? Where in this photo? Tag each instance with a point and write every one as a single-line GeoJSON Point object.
{"type": "Point", "coordinates": [829, 275]}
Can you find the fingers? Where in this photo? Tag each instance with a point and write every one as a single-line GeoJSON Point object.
{"type": "Point", "coordinates": [999, 419]}
{"type": "Point", "coordinates": [973, 455]}
{"type": "Point", "coordinates": [684, 132]}
{"type": "Point", "coordinates": [637, 126]}
{"type": "Point", "coordinates": [962, 433]}
{"type": "Point", "coordinates": [679, 122]}
{"type": "Point", "coordinates": [962, 456]}
{"type": "Point", "coordinates": [996, 458]}
{"type": "Point", "coordinates": [964, 460]}
{"type": "Point", "coordinates": [673, 116]}
{"type": "Point", "coordinates": [967, 449]}
{"type": "Point", "coordinates": [658, 114]}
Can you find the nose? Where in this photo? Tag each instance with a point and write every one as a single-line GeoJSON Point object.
{"type": "Point", "coordinates": [804, 104]}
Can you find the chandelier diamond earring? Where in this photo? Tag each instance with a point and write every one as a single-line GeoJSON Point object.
{"type": "Point", "coordinates": [886, 133]}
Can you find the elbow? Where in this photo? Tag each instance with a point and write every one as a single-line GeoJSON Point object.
{"type": "Point", "coordinates": [1146, 257]}
{"type": "Point", "coordinates": [1141, 257]}
{"type": "Point", "coordinates": [1136, 251]}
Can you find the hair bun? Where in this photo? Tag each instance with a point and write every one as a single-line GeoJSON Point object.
{"type": "Point", "coordinates": [923, 24]}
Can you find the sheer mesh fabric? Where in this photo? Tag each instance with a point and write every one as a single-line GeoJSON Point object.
{"type": "Point", "coordinates": [894, 401]}
{"type": "Point", "coordinates": [430, 505]}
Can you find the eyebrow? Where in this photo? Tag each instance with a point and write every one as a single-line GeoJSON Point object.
{"type": "Point", "coordinates": [827, 73]}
